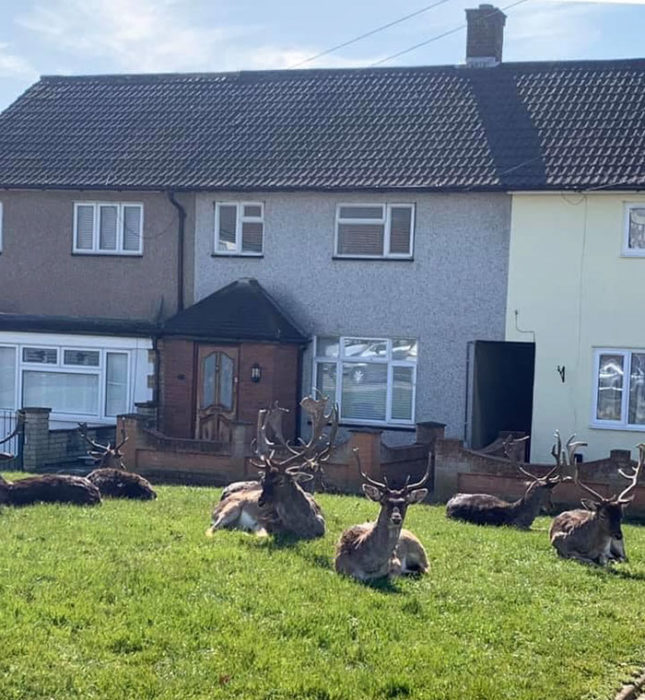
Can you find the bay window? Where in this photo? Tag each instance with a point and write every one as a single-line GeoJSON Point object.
{"type": "Point", "coordinates": [619, 395]}
{"type": "Point", "coordinates": [371, 379]}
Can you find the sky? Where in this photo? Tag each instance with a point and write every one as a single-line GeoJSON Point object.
{"type": "Point", "coordinates": [74, 37]}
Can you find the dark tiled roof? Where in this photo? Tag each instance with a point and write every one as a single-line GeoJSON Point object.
{"type": "Point", "coordinates": [77, 324]}
{"type": "Point", "coordinates": [242, 310]}
{"type": "Point", "coordinates": [516, 126]}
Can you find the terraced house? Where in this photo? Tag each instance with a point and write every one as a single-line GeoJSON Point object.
{"type": "Point", "coordinates": [219, 241]}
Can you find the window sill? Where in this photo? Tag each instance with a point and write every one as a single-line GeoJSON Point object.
{"type": "Point", "coordinates": [237, 255]}
{"type": "Point", "coordinates": [95, 254]}
{"type": "Point", "coordinates": [637, 253]}
{"type": "Point", "coordinates": [371, 258]}
{"type": "Point", "coordinates": [613, 426]}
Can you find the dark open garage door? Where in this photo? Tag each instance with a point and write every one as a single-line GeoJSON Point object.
{"type": "Point", "coordinates": [500, 390]}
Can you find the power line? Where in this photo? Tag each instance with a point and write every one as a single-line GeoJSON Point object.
{"type": "Point", "coordinates": [439, 36]}
{"type": "Point", "coordinates": [370, 33]}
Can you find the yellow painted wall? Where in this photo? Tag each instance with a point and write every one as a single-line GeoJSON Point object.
{"type": "Point", "coordinates": [575, 291]}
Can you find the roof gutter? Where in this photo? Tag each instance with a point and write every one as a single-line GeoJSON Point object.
{"type": "Point", "coordinates": [181, 234]}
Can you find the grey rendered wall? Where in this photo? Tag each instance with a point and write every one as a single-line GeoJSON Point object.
{"type": "Point", "coordinates": [452, 292]}
{"type": "Point", "coordinates": [40, 275]}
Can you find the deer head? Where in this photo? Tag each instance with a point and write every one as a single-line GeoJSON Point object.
{"type": "Point", "coordinates": [394, 502]}
{"type": "Point", "coordinates": [609, 510]}
{"type": "Point", "coordinates": [105, 456]}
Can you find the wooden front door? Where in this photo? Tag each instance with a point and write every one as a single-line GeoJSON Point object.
{"type": "Point", "coordinates": [217, 381]}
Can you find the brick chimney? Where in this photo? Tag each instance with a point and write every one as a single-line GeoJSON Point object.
{"type": "Point", "coordinates": [485, 36]}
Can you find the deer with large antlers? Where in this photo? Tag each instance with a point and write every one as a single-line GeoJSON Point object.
{"type": "Point", "coordinates": [485, 509]}
{"type": "Point", "coordinates": [378, 549]}
{"type": "Point", "coordinates": [594, 535]}
{"type": "Point", "coordinates": [111, 476]}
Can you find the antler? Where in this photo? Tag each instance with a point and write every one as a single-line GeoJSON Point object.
{"type": "Point", "coordinates": [383, 486]}
{"type": "Point", "coordinates": [410, 487]}
{"type": "Point", "coordinates": [633, 477]}
{"type": "Point", "coordinates": [19, 424]}
{"type": "Point", "coordinates": [82, 429]}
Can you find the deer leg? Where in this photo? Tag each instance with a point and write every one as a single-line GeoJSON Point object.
{"type": "Point", "coordinates": [617, 550]}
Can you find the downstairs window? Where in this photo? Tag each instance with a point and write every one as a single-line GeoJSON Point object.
{"type": "Point", "coordinates": [619, 396]}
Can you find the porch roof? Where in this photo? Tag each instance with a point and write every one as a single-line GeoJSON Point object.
{"type": "Point", "coordinates": [243, 310]}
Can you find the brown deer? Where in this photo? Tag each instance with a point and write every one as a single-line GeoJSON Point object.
{"type": "Point", "coordinates": [594, 535]}
{"type": "Point", "coordinates": [111, 477]}
{"type": "Point", "coordinates": [296, 511]}
{"type": "Point", "coordinates": [485, 509]}
{"type": "Point", "coordinates": [378, 549]}
{"type": "Point", "coordinates": [240, 510]}
{"type": "Point", "coordinates": [49, 488]}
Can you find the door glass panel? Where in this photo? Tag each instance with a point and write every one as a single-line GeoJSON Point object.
{"type": "Point", "coordinates": [637, 390]}
{"type": "Point", "coordinates": [225, 389]}
{"type": "Point", "coordinates": [7, 377]}
{"type": "Point", "coordinates": [610, 387]}
{"type": "Point", "coordinates": [209, 369]}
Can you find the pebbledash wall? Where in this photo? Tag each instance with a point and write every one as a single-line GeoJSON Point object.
{"type": "Point", "coordinates": [576, 295]}
{"type": "Point", "coordinates": [451, 292]}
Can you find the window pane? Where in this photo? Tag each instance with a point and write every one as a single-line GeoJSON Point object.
{"type": "Point", "coordinates": [84, 226]}
{"type": "Point", "coordinates": [253, 210]}
{"type": "Point", "coordinates": [610, 387]}
{"type": "Point", "coordinates": [364, 391]}
{"type": "Point", "coordinates": [637, 390]}
{"type": "Point", "coordinates": [63, 393]}
{"type": "Point", "coordinates": [374, 212]}
{"type": "Point", "coordinates": [47, 356]}
{"type": "Point", "coordinates": [226, 233]}
{"type": "Point", "coordinates": [251, 237]}
{"type": "Point", "coordinates": [116, 384]}
{"type": "Point", "coordinates": [326, 380]}
{"type": "Point", "coordinates": [360, 239]}
{"type": "Point", "coordinates": [209, 367]}
{"type": "Point", "coordinates": [225, 388]}
{"type": "Point", "coordinates": [326, 347]}
{"type": "Point", "coordinates": [7, 377]}
{"type": "Point", "coordinates": [132, 228]}
{"type": "Point", "coordinates": [366, 348]}
{"type": "Point", "coordinates": [107, 227]}
{"type": "Point", "coordinates": [400, 227]}
{"type": "Point", "coordinates": [81, 358]}
{"type": "Point", "coordinates": [402, 383]}
{"type": "Point", "coordinates": [405, 349]}
{"type": "Point", "coordinates": [637, 227]}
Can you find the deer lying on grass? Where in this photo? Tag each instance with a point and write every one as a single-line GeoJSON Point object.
{"type": "Point", "coordinates": [375, 550]}
{"type": "Point", "coordinates": [485, 509]}
{"type": "Point", "coordinates": [277, 504]}
{"type": "Point", "coordinates": [594, 535]}
{"type": "Point", "coordinates": [112, 478]}
{"type": "Point", "coordinates": [49, 488]}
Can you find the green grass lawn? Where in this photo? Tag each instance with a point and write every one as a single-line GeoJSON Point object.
{"type": "Point", "coordinates": [130, 600]}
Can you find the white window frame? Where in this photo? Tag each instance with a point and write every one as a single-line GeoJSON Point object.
{"type": "Point", "coordinates": [96, 250]}
{"type": "Point", "coordinates": [391, 364]}
{"type": "Point", "coordinates": [239, 220]}
{"type": "Point", "coordinates": [628, 252]}
{"type": "Point", "coordinates": [624, 407]}
{"type": "Point", "coordinates": [386, 220]}
{"type": "Point", "coordinates": [61, 368]}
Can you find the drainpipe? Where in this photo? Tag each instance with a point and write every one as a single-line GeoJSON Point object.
{"type": "Point", "coordinates": [181, 233]}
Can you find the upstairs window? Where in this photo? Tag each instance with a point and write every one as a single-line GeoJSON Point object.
{"type": "Point", "coordinates": [374, 231]}
{"type": "Point", "coordinates": [619, 400]}
{"type": "Point", "coordinates": [372, 380]}
{"type": "Point", "coordinates": [239, 228]}
{"type": "Point", "coordinates": [634, 238]}
{"type": "Point", "coordinates": [108, 228]}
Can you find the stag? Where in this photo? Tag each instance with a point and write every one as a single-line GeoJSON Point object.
{"type": "Point", "coordinates": [382, 548]}
{"type": "Point", "coordinates": [49, 488]}
{"type": "Point", "coordinates": [594, 535]}
{"type": "Point", "coordinates": [485, 509]}
{"type": "Point", "coordinates": [241, 510]}
{"type": "Point", "coordinates": [111, 477]}
{"type": "Point", "coordinates": [296, 511]}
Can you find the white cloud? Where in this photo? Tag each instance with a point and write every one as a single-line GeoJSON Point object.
{"type": "Point", "coordinates": [13, 66]}
{"type": "Point", "coordinates": [139, 37]}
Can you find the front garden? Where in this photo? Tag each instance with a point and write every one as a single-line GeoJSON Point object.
{"type": "Point", "coordinates": [130, 600]}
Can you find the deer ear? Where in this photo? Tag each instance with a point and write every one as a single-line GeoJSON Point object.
{"type": "Point", "coordinates": [372, 492]}
{"type": "Point", "coordinates": [588, 505]}
{"type": "Point", "coordinates": [417, 495]}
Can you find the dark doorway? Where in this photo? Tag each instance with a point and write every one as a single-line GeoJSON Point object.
{"type": "Point", "coordinates": [500, 390]}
